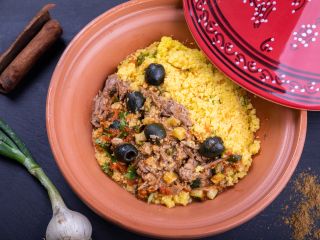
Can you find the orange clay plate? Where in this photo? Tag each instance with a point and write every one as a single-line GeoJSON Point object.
{"type": "Point", "coordinates": [90, 58]}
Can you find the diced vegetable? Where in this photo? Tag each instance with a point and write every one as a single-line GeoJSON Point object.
{"type": "Point", "coordinates": [195, 183]}
{"type": "Point", "coordinates": [151, 161]}
{"type": "Point", "coordinates": [212, 193]}
{"type": "Point", "coordinates": [140, 138]}
{"type": "Point", "coordinates": [116, 105]}
{"type": "Point", "coordinates": [170, 177]}
{"type": "Point", "coordinates": [150, 198]}
{"type": "Point", "coordinates": [199, 169]}
{"type": "Point", "coordinates": [182, 198]}
{"type": "Point", "coordinates": [197, 193]}
{"type": "Point", "coordinates": [179, 133]}
{"type": "Point", "coordinates": [217, 178]}
{"type": "Point", "coordinates": [173, 122]}
{"type": "Point", "coordinates": [148, 120]}
{"type": "Point", "coordinates": [168, 201]}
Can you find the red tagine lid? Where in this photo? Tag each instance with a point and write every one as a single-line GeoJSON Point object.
{"type": "Point", "coordinates": [269, 47]}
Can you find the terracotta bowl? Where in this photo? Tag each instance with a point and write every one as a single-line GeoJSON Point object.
{"type": "Point", "coordinates": [90, 58]}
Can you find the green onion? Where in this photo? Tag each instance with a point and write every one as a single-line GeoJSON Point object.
{"type": "Point", "coordinates": [75, 225]}
{"type": "Point", "coordinates": [12, 136]}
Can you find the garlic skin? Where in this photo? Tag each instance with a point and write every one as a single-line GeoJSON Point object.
{"type": "Point", "coordinates": [68, 225]}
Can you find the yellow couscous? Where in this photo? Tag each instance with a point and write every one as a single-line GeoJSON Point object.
{"type": "Point", "coordinates": [204, 104]}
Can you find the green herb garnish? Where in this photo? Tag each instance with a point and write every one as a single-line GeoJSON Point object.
{"type": "Point", "coordinates": [123, 122]}
{"type": "Point", "coordinates": [136, 128]}
{"type": "Point", "coordinates": [106, 168]}
{"type": "Point", "coordinates": [123, 134]}
{"type": "Point", "coordinates": [107, 134]}
{"type": "Point", "coordinates": [113, 158]}
{"type": "Point", "coordinates": [122, 115]}
{"type": "Point", "coordinates": [141, 58]}
{"type": "Point", "coordinates": [101, 144]}
{"type": "Point", "coordinates": [131, 173]}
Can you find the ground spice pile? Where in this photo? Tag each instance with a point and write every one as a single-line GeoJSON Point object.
{"type": "Point", "coordinates": [305, 215]}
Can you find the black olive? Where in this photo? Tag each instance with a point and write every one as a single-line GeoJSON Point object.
{"type": "Point", "coordinates": [155, 74]}
{"type": "Point", "coordinates": [125, 152]}
{"type": "Point", "coordinates": [155, 132]}
{"type": "Point", "coordinates": [212, 147]}
{"type": "Point", "coordinates": [115, 124]}
{"type": "Point", "coordinates": [234, 158]}
{"type": "Point", "coordinates": [135, 101]}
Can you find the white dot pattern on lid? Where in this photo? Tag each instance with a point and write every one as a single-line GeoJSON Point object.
{"type": "Point", "coordinates": [306, 35]}
{"type": "Point", "coordinates": [262, 10]}
{"type": "Point", "coordinates": [298, 4]}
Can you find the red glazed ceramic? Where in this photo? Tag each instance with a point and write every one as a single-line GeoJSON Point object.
{"type": "Point", "coordinates": [94, 54]}
{"type": "Point", "coordinates": [269, 47]}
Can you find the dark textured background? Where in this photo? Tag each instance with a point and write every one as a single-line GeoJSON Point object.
{"type": "Point", "coordinates": [24, 207]}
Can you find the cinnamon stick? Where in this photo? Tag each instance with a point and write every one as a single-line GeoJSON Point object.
{"type": "Point", "coordinates": [24, 61]}
{"type": "Point", "coordinates": [26, 36]}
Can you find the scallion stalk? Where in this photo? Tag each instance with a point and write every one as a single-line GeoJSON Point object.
{"type": "Point", "coordinates": [65, 224]}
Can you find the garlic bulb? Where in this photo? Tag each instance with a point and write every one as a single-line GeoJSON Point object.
{"type": "Point", "coordinates": [68, 225]}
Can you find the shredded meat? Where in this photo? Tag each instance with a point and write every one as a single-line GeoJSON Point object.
{"type": "Point", "coordinates": [169, 107]}
{"type": "Point", "coordinates": [177, 110]}
{"type": "Point", "coordinates": [103, 101]}
{"type": "Point", "coordinates": [187, 172]}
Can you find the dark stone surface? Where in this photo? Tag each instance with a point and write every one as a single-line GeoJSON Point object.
{"type": "Point", "coordinates": [24, 207]}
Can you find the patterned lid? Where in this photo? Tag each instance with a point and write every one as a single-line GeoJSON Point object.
{"type": "Point", "coordinates": [269, 47]}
